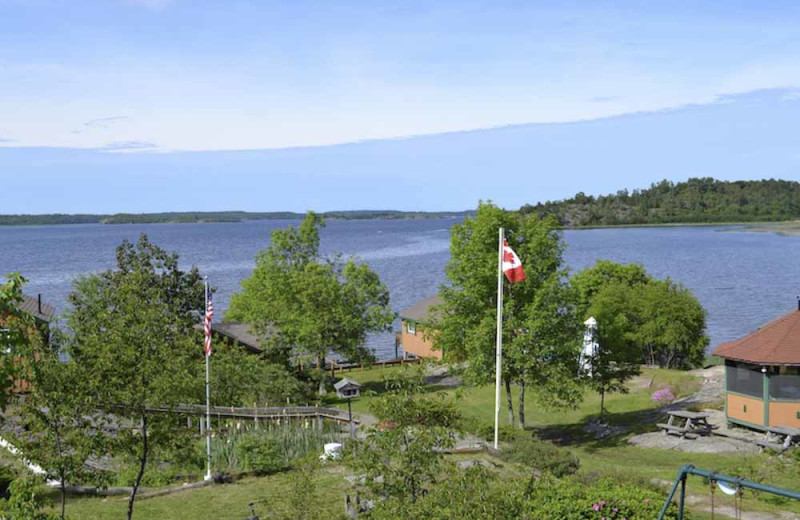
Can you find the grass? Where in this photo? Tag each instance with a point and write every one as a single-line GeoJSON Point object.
{"type": "Point", "coordinates": [270, 495]}
{"type": "Point", "coordinates": [477, 404]}
{"type": "Point", "coordinates": [612, 456]}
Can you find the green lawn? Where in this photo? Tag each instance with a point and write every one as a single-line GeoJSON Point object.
{"type": "Point", "coordinates": [477, 404]}
{"type": "Point", "coordinates": [612, 456]}
{"type": "Point", "coordinates": [270, 495]}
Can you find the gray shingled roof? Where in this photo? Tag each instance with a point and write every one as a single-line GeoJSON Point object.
{"type": "Point", "coordinates": [345, 382]}
{"type": "Point", "coordinates": [420, 311]}
{"type": "Point", "coordinates": [240, 332]}
{"type": "Point", "coordinates": [30, 305]}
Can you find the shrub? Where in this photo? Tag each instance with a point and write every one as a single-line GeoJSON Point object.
{"type": "Point", "coordinates": [663, 395]}
{"type": "Point", "coordinates": [259, 455]}
{"type": "Point", "coordinates": [154, 475]}
{"type": "Point", "coordinates": [485, 431]}
{"type": "Point", "coordinates": [479, 494]}
{"type": "Point", "coordinates": [611, 499]}
{"type": "Point", "coordinates": [22, 503]}
{"type": "Point", "coordinates": [6, 478]}
{"type": "Point", "coordinates": [541, 455]}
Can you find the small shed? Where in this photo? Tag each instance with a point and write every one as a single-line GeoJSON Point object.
{"type": "Point", "coordinates": [412, 336]}
{"type": "Point", "coordinates": [347, 389]}
{"type": "Point", "coordinates": [762, 375]}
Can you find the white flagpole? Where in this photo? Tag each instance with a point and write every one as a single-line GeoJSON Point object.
{"type": "Point", "coordinates": [499, 350]}
{"type": "Point", "coordinates": [208, 399]}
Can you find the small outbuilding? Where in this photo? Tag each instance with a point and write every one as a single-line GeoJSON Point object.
{"type": "Point", "coordinates": [762, 375]}
{"type": "Point", "coordinates": [347, 389]}
{"type": "Point", "coordinates": [412, 336]}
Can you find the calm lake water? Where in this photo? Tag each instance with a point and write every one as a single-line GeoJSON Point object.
{"type": "Point", "coordinates": [742, 279]}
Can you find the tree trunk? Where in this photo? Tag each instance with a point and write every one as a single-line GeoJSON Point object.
{"type": "Point", "coordinates": [602, 402]}
{"type": "Point", "coordinates": [521, 404]}
{"type": "Point", "coordinates": [61, 473]}
{"type": "Point", "coordinates": [321, 367]}
{"type": "Point", "coordinates": [510, 401]}
{"type": "Point", "coordinates": [63, 495]}
{"type": "Point", "coordinates": [142, 464]}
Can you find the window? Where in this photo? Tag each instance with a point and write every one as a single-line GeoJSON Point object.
{"type": "Point", "coordinates": [785, 386]}
{"type": "Point", "coordinates": [745, 379]}
{"type": "Point", "coordinates": [411, 327]}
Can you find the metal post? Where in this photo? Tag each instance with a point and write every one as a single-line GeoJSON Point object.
{"type": "Point", "coordinates": [208, 397]}
{"type": "Point", "coordinates": [499, 347]}
{"type": "Point", "coordinates": [683, 498]}
{"type": "Point", "coordinates": [350, 418]}
{"type": "Point", "coordinates": [739, 483]}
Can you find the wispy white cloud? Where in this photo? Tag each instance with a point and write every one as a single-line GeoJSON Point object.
{"type": "Point", "coordinates": [6, 140]}
{"type": "Point", "coordinates": [101, 123]}
{"type": "Point", "coordinates": [104, 122]}
{"type": "Point", "coordinates": [130, 146]}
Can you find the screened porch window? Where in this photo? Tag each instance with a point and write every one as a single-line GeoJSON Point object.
{"type": "Point", "coordinates": [745, 379]}
{"type": "Point", "coordinates": [785, 384]}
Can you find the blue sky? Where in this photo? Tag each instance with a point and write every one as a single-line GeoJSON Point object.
{"type": "Point", "coordinates": [143, 105]}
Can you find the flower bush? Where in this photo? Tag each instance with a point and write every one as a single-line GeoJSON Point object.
{"type": "Point", "coordinates": [663, 395]}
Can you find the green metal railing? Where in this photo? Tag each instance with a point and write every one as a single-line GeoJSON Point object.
{"type": "Point", "coordinates": [738, 483]}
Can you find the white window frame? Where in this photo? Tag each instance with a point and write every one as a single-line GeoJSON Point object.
{"type": "Point", "coordinates": [411, 327]}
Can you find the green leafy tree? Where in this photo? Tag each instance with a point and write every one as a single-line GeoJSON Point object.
{"type": "Point", "coordinates": [403, 454]}
{"type": "Point", "coordinates": [135, 344]}
{"type": "Point", "coordinates": [306, 304]}
{"type": "Point", "coordinates": [541, 334]}
{"type": "Point", "coordinates": [667, 322]}
{"type": "Point", "coordinates": [56, 417]}
{"type": "Point", "coordinates": [618, 354]}
{"type": "Point", "coordinates": [588, 282]}
{"type": "Point", "coordinates": [241, 378]}
{"type": "Point", "coordinates": [17, 334]}
{"type": "Point", "coordinates": [23, 504]}
{"type": "Point", "coordinates": [672, 324]}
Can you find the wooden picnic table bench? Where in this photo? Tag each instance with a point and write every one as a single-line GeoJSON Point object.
{"type": "Point", "coordinates": [779, 438]}
{"type": "Point", "coordinates": [694, 424]}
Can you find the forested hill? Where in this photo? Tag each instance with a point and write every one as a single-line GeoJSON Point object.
{"type": "Point", "coordinates": [215, 216]}
{"type": "Point", "coordinates": [694, 201]}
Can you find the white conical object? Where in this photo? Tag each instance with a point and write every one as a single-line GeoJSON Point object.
{"type": "Point", "coordinates": [725, 488]}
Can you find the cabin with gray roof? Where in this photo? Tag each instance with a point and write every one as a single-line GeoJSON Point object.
{"type": "Point", "coordinates": [412, 337]}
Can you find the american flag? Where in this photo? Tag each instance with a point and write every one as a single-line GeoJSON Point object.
{"type": "Point", "coordinates": [209, 315]}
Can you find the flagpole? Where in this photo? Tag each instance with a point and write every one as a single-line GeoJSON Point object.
{"type": "Point", "coordinates": [499, 349]}
{"type": "Point", "coordinates": [208, 400]}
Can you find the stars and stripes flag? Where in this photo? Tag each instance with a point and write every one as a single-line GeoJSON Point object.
{"type": "Point", "coordinates": [207, 324]}
{"type": "Point", "coordinates": [512, 266]}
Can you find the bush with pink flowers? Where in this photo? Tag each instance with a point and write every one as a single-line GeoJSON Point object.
{"type": "Point", "coordinates": [663, 395]}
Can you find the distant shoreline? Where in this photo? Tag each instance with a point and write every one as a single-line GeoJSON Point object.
{"type": "Point", "coordinates": [198, 217]}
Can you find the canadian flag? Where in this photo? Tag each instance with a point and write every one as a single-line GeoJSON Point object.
{"type": "Point", "coordinates": [512, 267]}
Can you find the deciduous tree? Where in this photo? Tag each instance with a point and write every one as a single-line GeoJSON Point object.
{"type": "Point", "coordinates": [135, 344]}
{"type": "Point", "coordinates": [307, 304]}
{"type": "Point", "coordinates": [540, 330]}
{"type": "Point", "coordinates": [56, 417]}
{"type": "Point", "coordinates": [403, 454]}
{"type": "Point", "coordinates": [17, 333]}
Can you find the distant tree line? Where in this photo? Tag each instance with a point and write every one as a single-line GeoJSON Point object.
{"type": "Point", "coordinates": [697, 200]}
{"type": "Point", "coordinates": [214, 216]}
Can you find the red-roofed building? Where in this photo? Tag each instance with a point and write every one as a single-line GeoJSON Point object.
{"type": "Point", "coordinates": [762, 374]}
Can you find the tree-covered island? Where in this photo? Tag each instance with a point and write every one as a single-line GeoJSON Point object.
{"type": "Point", "coordinates": [696, 201]}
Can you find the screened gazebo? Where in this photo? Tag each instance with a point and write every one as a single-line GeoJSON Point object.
{"type": "Point", "coordinates": [762, 375]}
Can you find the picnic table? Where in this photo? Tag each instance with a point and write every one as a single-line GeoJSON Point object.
{"type": "Point", "coordinates": [689, 425]}
{"type": "Point", "coordinates": [779, 438]}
